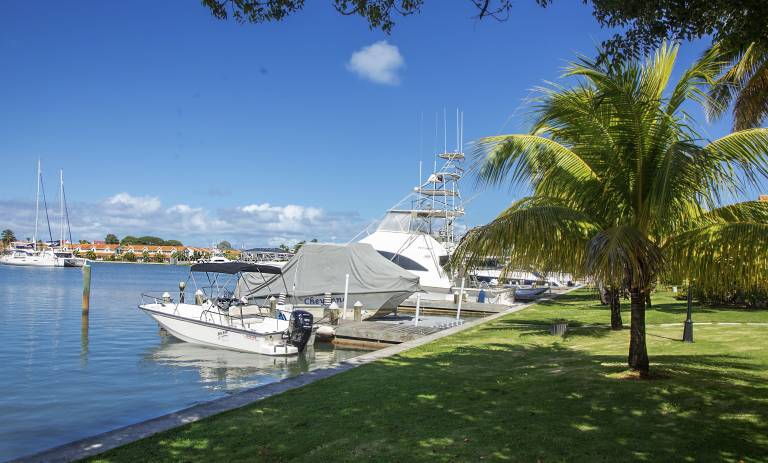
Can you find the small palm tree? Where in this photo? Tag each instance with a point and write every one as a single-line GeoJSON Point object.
{"type": "Point", "coordinates": [743, 83]}
{"type": "Point", "coordinates": [7, 236]}
{"type": "Point", "coordinates": [622, 190]}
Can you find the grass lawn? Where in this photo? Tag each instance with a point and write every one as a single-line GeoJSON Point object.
{"type": "Point", "coordinates": [506, 392]}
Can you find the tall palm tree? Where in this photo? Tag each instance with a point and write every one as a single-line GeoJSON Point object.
{"type": "Point", "coordinates": [622, 189]}
{"type": "Point", "coordinates": [743, 82]}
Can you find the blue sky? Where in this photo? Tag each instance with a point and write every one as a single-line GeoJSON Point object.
{"type": "Point", "coordinates": [168, 121]}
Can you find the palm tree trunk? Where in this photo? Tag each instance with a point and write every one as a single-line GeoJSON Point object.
{"type": "Point", "coordinates": [638, 353]}
{"type": "Point", "coordinates": [616, 322]}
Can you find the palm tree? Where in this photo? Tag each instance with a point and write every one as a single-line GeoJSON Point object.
{"type": "Point", "coordinates": [7, 236]}
{"type": "Point", "coordinates": [743, 81]}
{"type": "Point", "coordinates": [622, 190]}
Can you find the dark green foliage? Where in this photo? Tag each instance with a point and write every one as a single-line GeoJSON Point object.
{"type": "Point", "coordinates": [735, 23]}
{"type": "Point", "coordinates": [7, 236]}
{"type": "Point", "coordinates": [224, 246]}
{"type": "Point", "coordinates": [378, 13]}
{"type": "Point", "coordinates": [149, 240]}
{"type": "Point", "coordinates": [111, 239]}
{"type": "Point", "coordinates": [129, 257]}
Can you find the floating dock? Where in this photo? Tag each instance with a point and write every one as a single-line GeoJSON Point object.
{"type": "Point", "coordinates": [384, 332]}
{"type": "Point", "coordinates": [435, 307]}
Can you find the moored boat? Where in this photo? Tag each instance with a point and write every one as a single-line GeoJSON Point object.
{"type": "Point", "coordinates": [216, 319]}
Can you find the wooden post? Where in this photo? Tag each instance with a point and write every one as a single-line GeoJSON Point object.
{"type": "Point", "coordinates": [333, 314]}
{"type": "Point", "coordinates": [418, 306]}
{"type": "Point", "coordinates": [346, 295]}
{"type": "Point", "coordinates": [273, 307]}
{"type": "Point", "coordinates": [461, 298]}
{"type": "Point", "coordinates": [358, 311]}
{"type": "Point", "coordinates": [86, 288]}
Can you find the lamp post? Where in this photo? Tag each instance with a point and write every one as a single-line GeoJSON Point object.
{"type": "Point", "coordinates": [688, 329]}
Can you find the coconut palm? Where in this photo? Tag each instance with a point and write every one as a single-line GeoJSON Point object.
{"type": "Point", "coordinates": [7, 236]}
{"type": "Point", "coordinates": [743, 82]}
{"type": "Point", "coordinates": [624, 190]}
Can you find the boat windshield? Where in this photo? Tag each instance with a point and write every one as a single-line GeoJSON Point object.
{"type": "Point", "coordinates": [396, 222]}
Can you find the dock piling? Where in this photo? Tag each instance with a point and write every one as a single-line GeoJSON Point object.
{"type": "Point", "coordinates": [273, 307]}
{"type": "Point", "coordinates": [346, 294]}
{"type": "Point", "coordinates": [418, 306]}
{"type": "Point", "coordinates": [461, 298]}
{"type": "Point", "coordinates": [358, 307]}
{"type": "Point", "coordinates": [182, 286]}
{"type": "Point", "coordinates": [86, 289]}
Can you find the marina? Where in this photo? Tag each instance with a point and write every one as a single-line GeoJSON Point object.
{"type": "Point", "coordinates": [75, 376]}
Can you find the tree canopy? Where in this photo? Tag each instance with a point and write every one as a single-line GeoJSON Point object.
{"type": "Point", "coordinates": [224, 246]}
{"type": "Point", "coordinates": [735, 23]}
{"type": "Point", "coordinates": [149, 240]}
{"type": "Point", "coordinates": [7, 236]}
{"type": "Point", "coordinates": [111, 239]}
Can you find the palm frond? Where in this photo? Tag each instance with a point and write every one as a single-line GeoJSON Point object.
{"type": "Point", "coordinates": [533, 233]}
{"type": "Point", "coordinates": [717, 257]}
{"type": "Point", "coordinates": [622, 253]}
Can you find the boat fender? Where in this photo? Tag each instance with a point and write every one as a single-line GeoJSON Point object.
{"type": "Point", "coordinates": [300, 328]}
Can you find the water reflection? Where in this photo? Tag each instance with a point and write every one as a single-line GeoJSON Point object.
{"type": "Point", "coordinates": [230, 370]}
{"type": "Point", "coordinates": [84, 326]}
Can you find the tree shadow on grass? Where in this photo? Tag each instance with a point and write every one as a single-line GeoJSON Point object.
{"type": "Point", "coordinates": [681, 308]}
{"type": "Point", "coordinates": [492, 401]}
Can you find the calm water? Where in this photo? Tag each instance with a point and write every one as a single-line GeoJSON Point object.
{"type": "Point", "coordinates": [63, 378]}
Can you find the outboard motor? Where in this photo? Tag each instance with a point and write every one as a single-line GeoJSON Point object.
{"type": "Point", "coordinates": [300, 328]}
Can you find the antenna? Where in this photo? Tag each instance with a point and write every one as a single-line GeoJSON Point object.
{"type": "Point", "coordinates": [445, 132]}
{"type": "Point", "coordinates": [419, 173]}
{"type": "Point", "coordinates": [462, 132]}
{"type": "Point", "coordinates": [457, 130]}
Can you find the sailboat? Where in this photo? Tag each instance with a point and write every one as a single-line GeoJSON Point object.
{"type": "Point", "coordinates": [48, 255]}
{"type": "Point", "coordinates": [62, 252]}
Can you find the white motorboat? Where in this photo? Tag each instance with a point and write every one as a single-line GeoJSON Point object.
{"type": "Point", "coordinates": [214, 318]}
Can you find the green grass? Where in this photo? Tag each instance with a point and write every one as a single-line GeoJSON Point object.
{"type": "Point", "coordinates": [505, 392]}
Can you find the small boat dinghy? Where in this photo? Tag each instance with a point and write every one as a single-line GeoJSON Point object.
{"type": "Point", "coordinates": [213, 317]}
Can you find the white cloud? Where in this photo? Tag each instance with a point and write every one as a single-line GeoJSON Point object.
{"type": "Point", "coordinates": [123, 202]}
{"type": "Point", "coordinates": [252, 224]}
{"type": "Point", "coordinates": [379, 62]}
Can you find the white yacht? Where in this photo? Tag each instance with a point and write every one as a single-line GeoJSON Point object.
{"type": "Point", "coordinates": [51, 254]}
{"type": "Point", "coordinates": [418, 233]}
{"type": "Point", "coordinates": [20, 254]}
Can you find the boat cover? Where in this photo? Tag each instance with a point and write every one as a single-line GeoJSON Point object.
{"type": "Point", "coordinates": [319, 268]}
{"type": "Point", "coordinates": [233, 267]}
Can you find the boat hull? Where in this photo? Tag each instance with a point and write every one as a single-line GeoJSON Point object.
{"type": "Point", "coordinates": [32, 262]}
{"type": "Point", "coordinates": [210, 332]}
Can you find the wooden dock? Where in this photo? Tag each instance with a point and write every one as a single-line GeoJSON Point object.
{"type": "Point", "coordinates": [433, 307]}
{"type": "Point", "coordinates": [376, 334]}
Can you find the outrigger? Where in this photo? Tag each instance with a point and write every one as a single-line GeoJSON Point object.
{"type": "Point", "coordinates": [218, 319]}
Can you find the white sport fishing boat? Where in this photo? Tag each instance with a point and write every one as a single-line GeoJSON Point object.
{"type": "Point", "coordinates": [418, 233]}
{"type": "Point", "coordinates": [217, 319]}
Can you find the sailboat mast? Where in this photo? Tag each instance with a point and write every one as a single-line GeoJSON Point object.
{"type": "Point", "coordinates": [61, 207]}
{"type": "Point", "coordinates": [37, 205]}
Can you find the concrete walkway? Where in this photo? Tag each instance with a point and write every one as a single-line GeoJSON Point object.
{"type": "Point", "coordinates": [94, 445]}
